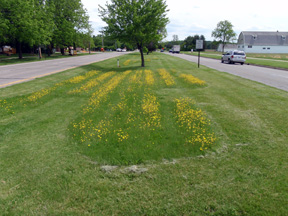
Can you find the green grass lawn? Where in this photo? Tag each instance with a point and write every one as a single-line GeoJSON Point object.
{"type": "Point", "coordinates": [204, 142]}
{"type": "Point", "coordinates": [14, 59]}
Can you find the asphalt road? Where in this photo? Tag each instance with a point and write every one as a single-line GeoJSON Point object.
{"type": "Point", "coordinates": [17, 73]}
{"type": "Point", "coordinates": [272, 77]}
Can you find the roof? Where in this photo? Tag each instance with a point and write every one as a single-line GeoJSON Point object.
{"type": "Point", "coordinates": [258, 38]}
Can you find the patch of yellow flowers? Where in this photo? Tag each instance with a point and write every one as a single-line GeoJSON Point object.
{"type": "Point", "coordinates": [93, 83]}
{"type": "Point", "coordinates": [127, 62]}
{"type": "Point", "coordinates": [5, 106]}
{"type": "Point", "coordinates": [136, 77]}
{"type": "Point", "coordinates": [150, 108]}
{"type": "Point", "coordinates": [140, 111]}
{"type": "Point", "coordinates": [195, 124]}
{"type": "Point", "coordinates": [100, 94]}
{"type": "Point", "coordinates": [191, 79]}
{"type": "Point", "coordinates": [149, 78]}
{"type": "Point", "coordinates": [168, 79]}
{"type": "Point", "coordinates": [74, 80]}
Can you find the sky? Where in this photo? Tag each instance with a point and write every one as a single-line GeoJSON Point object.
{"type": "Point", "coordinates": [190, 17]}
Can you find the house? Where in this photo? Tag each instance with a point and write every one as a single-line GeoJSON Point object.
{"type": "Point", "coordinates": [227, 47]}
{"type": "Point", "coordinates": [263, 42]}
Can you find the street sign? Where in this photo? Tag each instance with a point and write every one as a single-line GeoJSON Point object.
{"type": "Point", "coordinates": [199, 44]}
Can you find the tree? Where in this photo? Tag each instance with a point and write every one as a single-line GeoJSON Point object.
{"type": "Point", "coordinates": [71, 21]}
{"type": "Point", "coordinates": [43, 22]}
{"type": "Point", "coordinates": [135, 21]}
{"type": "Point", "coordinates": [43, 18]}
{"type": "Point", "coordinates": [190, 42]}
{"type": "Point", "coordinates": [23, 22]}
{"type": "Point", "coordinates": [4, 23]}
{"type": "Point", "coordinates": [224, 32]}
{"type": "Point", "coordinates": [175, 38]}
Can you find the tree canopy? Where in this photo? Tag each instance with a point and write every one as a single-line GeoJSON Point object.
{"type": "Point", "coordinates": [224, 32]}
{"type": "Point", "coordinates": [138, 22]}
{"type": "Point", "coordinates": [42, 22]}
{"type": "Point", "coordinates": [190, 42]}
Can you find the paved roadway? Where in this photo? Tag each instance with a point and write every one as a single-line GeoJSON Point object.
{"type": "Point", "coordinates": [17, 73]}
{"type": "Point", "coordinates": [268, 76]}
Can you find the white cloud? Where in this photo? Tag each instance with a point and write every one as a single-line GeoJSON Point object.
{"type": "Point", "coordinates": [190, 17]}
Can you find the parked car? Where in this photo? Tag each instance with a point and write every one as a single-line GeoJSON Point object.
{"type": "Point", "coordinates": [235, 56]}
{"type": "Point", "coordinates": [119, 50]}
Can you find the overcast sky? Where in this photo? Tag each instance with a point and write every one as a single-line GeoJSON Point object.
{"type": "Point", "coordinates": [190, 17]}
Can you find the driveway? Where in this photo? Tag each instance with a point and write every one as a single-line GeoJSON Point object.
{"type": "Point", "coordinates": [17, 73]}
{"type": "Point", "coordinates": [272, 77]}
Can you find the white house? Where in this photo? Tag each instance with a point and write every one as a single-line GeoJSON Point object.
{"type": "Point", "coordinates": [263, 42]}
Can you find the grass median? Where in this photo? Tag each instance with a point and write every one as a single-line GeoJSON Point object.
{"type": "Point", "coordinates": [14, 59]}
{"type": "Point", "coordinates": [205, 142]}
{"type": "Point", "coordinates": [279, 61]}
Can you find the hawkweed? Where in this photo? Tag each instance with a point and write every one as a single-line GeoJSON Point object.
{"type": "Point", "coordinates": [193, 80]}
{"type": "Point", "coordinates": [168, 79]}
{"type": "Point", "coordinates": [194, 123]}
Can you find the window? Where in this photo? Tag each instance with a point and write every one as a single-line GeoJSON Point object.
{"type": "Point", "coordinates": [264, 47]}
{"type": "Point", "coordinates": [249, 46]}
{"type": "Point", "coordinates": [268, 48]}
{"type": "Point", "coordinates": [239, 53]}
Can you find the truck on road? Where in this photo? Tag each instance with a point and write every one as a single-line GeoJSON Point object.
{"type": "Point", "coordinates": [176, 49]}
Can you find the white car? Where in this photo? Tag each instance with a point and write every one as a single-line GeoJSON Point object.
{"type": "Point", "coordinates": [119, 50]}
{"type": "Point", "coordinates": [235, 56]}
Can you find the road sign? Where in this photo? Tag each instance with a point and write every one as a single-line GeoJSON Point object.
{"type": "Point", "coordinates": [199, 44]}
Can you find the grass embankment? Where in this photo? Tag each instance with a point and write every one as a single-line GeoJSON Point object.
{"type": "Point", "coordinates": [268, 60]}
{"type": "Point", "coordinates": [14, 59]}
{"type": "Point", "coordinates": [57, 131]}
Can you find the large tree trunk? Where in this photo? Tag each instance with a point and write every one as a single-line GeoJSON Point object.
{"type": "Point", "coordinates": [142, 56]}
{"type": "Point", "coordinates": [62, 51]}
{"type": "Point", "coordinates": [19, 48]}
{"type": "Point", "coordinates": [39, 52]}
{"type": "Point", "coordinates": [49, 49]}
{"type": "Point", "coordinates": [74, 47]}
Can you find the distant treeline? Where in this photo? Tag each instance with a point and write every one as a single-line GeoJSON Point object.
{"type": "Point", "coordinates": [190, 43]}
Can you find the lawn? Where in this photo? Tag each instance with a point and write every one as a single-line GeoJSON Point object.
{"type": "Point", "coordinates": [167, 139]}
{"type": "Point", "coordinates": [268, 60]}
